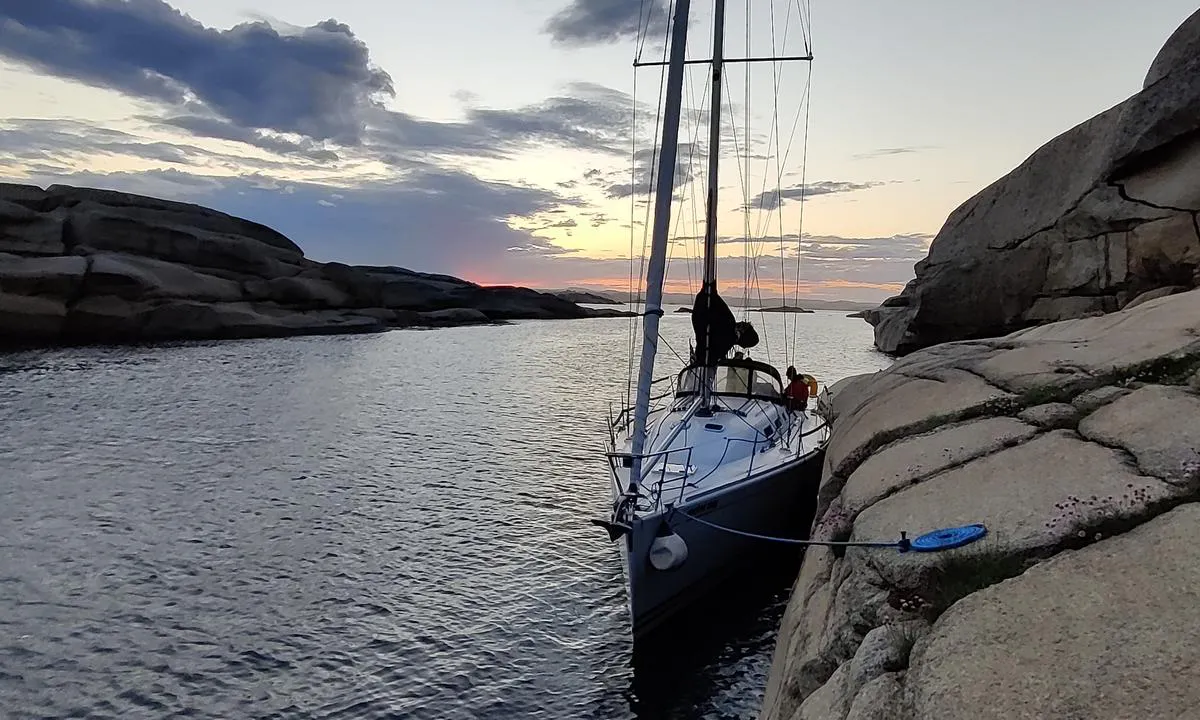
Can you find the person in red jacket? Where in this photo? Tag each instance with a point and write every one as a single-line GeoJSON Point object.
{"type": "Point", "coordinates": [796, 391]}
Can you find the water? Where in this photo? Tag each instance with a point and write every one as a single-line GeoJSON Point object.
{"type": "Point", "coordinates": [382, 526]}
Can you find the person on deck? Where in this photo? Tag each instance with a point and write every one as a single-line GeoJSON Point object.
{"type": "Point", "coordinates": [796, 391]}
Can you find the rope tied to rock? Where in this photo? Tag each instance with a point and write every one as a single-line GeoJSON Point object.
{"type": "Point", "coordinates": [943, 539]}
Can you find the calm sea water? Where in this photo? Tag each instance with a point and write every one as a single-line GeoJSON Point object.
{"type": "Point", "coordinates": [384, 526]}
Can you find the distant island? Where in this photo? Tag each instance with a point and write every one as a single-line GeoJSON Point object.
{"type": "Point", "coordinates": [580, 296]}
{"type": "Point", "coordinates": [784, 309]}
{"type": "Point", "coordinates": [92, 266]}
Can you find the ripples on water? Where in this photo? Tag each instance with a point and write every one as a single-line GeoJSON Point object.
{"type": "Point", "coordinates": [342, 527]}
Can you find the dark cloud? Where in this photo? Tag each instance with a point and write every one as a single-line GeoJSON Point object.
{"type": "Point", "coordinates": [51, 140]}
{"type": "Point", "coordinates": [621, 185]}
{"type": "Point", "coordinates": [225, 130]}
{"type": "Point", "coordinates": [771, 199]}
{"type": "Point", "coordinates": [591, 116]}
{"type": "Point", "coordinates": [590, 22]}
{"type": "Point", "coordinates": [290, 91]}
{"type": "Point", "coordinates": [587, 116]}
{"type": "Point", "coordinates": [315, 82]}
{"type": "Point", "coordinates": [61, 142]}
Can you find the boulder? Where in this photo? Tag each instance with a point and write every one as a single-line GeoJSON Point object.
{"type": "Point", "coordinates": [30, 319]}
{"type": "Point", "coordinates": [312, 292]}
{"type": "Point", "coordinates": [1100, 214]}
{"type": "Point", "coordinates": [60, 277]}
{"type": "Point", "coordinates": [1068, 442]}
{"type": "Point", "coordinates": [97, 228]}
{"type": "Point", "coordinates": [453, 316]}
{"type": "Point", "coordinates": [1183, 45]}
{"type": "Point", "coordinates": [28, 232]}
{"type": "Point", "coordinates": [133, 277]}
{"type": "Point", "coordinates": [168, 212]}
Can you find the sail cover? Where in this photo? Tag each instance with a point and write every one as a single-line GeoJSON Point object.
{"type": "Point", "coordinates": [716, 329]}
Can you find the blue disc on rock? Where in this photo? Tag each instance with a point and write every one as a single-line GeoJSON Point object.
{"type": "Point", "coordinates": [948, 538]}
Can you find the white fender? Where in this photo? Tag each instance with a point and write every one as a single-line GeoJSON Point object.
{"type": "Point", "coordinates": [668, 552]}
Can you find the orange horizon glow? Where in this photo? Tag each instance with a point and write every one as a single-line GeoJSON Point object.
{"type": "Point", "coordinates": [677, 286]}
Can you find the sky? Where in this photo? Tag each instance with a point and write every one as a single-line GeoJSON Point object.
{"type": "Point", "coordinates": [512, 141]}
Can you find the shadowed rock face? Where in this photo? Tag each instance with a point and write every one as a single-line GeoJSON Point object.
{"type": "Point", "coordinates": [1096, 217]}
{"type": "Point", "coordinates": [1076, 444]}
{"type": "Point", "coordinates": [79, 265]}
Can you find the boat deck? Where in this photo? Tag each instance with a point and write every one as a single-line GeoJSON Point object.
{"type": "Point", "coordinates": [708, 454]}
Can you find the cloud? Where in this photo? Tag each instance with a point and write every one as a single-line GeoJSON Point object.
{"type": "Point", "coordinates": [590, 116]}
{"type": "Point", "coordinates": [771, 200]}
{"type": "Point", "coordinates": [310, 93]}
{"type": "Point", "coordinates": [885, 152]}
{"type": "Point", "coordinates": [225, 130]}
{"type": "Point", "coordinates": [42, 139]}
{"type": "Point", "coordinates": [618, 185]}
{"type": "Point", "coordinates": [63, 143]}
{"type": "Point", "coordinates": [592, 22]}
{"type": "Point", "coordinates": [315, 82]}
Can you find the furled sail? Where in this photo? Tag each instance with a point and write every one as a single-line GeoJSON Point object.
{"type": "Point", "coordinates": [715, 328]}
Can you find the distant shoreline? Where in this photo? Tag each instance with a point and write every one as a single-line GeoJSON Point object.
{"type": "Point", "coordinates": [782, 309]}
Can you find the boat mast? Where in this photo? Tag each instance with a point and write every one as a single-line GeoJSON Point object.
{"type": "Point", "coordinates": [656, 268]}
{"type": "Point", "coordinates": [710, 218]}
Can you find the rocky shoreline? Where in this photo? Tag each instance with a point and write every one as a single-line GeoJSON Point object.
{"type": "Point", "coordinates": [84, 266]}
{"type": "Point", "coordinates": [1076, 445]}
{"type": "Point", "coordinates": [1050, 390]}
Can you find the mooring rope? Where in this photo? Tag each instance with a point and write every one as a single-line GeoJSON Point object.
{"type": "Point", "coordinates": [944, 539]}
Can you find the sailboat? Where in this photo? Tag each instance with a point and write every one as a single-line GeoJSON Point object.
{"type": "Point", "coordinates": [698, 482]}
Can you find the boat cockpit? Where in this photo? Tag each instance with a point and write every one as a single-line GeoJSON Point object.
{"type": "Point", "coordinates": [734, 377]}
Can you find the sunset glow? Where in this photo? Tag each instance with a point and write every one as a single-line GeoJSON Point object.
{"type": "Point", "coordinates": [366, 141]}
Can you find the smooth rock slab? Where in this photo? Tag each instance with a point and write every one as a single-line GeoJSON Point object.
{"type": "Point", "coordinates": [27, 232]}
{"type": "Point", "coordinates": [1051, 415]}
{"type": "Point", "coordinates": [1017, 494]}
{"type": "Point", "coordinates": [139, 278]}
{"type": "Point", "coordinates": [1079, 351]}
{"type": "Point", "coordinates": [878, 699]}
{"type": "Point", "coordinates": [915, 400]}
{"type": "Point", "coordinates": [1108, 631]}
{"type": "Point", "coordinates": [60, 277]}
{"type": "Point", "coordinates": [1159, 424]}
{"type": "Point", "coordinates": [917, 457]}
{"type": "Point", "coordinates": [830, 701]}
{"type": "Point", "coordinates": [33, 318]}
{"type": "Point", "coordinates": [1092, 400]}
